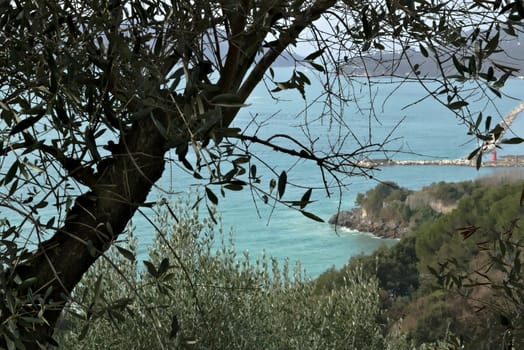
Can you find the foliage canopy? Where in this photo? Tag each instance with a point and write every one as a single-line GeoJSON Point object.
{"type": "Point", "coordinates": [218, 300]}
{"type": "Point", "coordinates": [95, 94]}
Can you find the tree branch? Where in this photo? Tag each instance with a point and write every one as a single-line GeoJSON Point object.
{"type": "Point", "coordinates": [74, 167]}
{"type": "Point", "coordinates": [286, 38]}
{"type": "Point", "coordinates": [238, 22]}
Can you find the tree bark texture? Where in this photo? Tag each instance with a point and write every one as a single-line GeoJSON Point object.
{"type": "Point", "coordinates": [98, 216]}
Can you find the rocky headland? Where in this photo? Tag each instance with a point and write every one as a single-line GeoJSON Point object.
{"type": "Point", "coordinates": [390, 211]}
{"type": "Point", "coordinates": [355, 220]}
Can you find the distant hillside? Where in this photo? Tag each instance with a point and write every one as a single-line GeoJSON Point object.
{"type": "Point", "coordinates": [388, 64]}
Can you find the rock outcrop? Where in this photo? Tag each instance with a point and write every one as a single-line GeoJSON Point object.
{"type": "Point", "coordinates": [355, 220]}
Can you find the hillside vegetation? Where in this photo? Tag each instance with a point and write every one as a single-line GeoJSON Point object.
{"type": "Point", "coordinates": [457, 274]}
{"type": "Point", "coordinates": [195, 292]}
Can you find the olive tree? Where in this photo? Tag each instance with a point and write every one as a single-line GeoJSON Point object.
{"type": "Point", "coordinates": [218, 300]}
{"type": "Point", "coordinates": [95, 97]}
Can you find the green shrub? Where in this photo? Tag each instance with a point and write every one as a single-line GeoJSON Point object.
{"type": "Point", "coordinates": [195, 292]}
{"type": "Point", "coordinates": [435, 320]}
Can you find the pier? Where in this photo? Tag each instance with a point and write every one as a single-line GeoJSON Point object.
{"type": "Point", "coordinates": [488, 146]}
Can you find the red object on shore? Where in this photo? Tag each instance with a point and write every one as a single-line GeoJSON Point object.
{"type": "Point", "coordinates": [494, 156]}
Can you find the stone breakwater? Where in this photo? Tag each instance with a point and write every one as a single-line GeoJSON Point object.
{"type": "Point", "coordinates": [507, 161]}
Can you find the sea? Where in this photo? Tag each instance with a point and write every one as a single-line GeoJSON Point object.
{"type": "Point", "coordinates": [394, 114]}
{"type": "Point", "coordinates": [413, 125]}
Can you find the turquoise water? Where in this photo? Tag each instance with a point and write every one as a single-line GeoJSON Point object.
{"type": "Point", "coordinates": [425, 130]}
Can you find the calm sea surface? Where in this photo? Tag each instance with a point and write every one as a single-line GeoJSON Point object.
{"type": "Point", "coordinates": [425, 131]}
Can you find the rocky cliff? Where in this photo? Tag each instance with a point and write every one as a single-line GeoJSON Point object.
{"type": "Point", "coordinates": [354, 220]}
{"type": "Point", "coordinates": [392, 212]}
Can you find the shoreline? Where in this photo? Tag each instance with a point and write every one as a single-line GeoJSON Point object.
{"type": "Point", "coordinates": [506, 161]}
{"type": "Point", "coordinates": [348, 230]}
{"type": "Point", "coordinates": [353, 220]}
